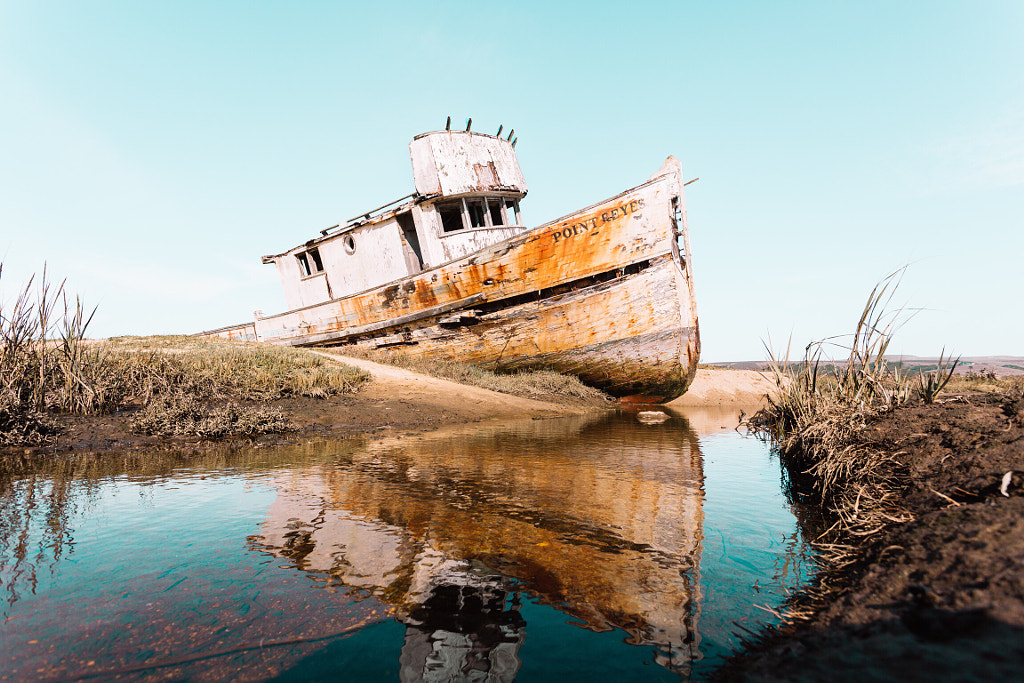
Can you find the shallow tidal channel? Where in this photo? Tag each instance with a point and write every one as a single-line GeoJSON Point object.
{"type": "Point", "coordinates": [576, 548]}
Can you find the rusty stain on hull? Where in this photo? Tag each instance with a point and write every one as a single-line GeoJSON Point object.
{"type": "Point", "coordinates": [586, 332]}
{"type": "Point", "coordinates": [605, 293]}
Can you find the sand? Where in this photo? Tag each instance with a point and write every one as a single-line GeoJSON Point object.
{"type": "Point", "coordinates": [467, 402]}
{"type": "Point", "coordinates": [722, 387]}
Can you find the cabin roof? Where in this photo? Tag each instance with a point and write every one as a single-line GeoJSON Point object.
{"type": "Point", "coordinates": [369, 218]}
{"type": "Point", "coordinates": [460, 132]}
{"type": "Point", "coordinates": [443, 189]}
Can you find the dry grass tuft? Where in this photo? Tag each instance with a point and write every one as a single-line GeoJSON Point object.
{"type": "Point", "coordinates": [986, 383]}
{"type": "Point", "coordinates": [182, 415]}
{"type": "Point", "coordinates": [19, 425]}
{"type": "Point", "coordinates": [816, 416]}
{"type": "Point", "coordinates": [42, 355]}
{"type": "Point", "coordinates": [210, 368]}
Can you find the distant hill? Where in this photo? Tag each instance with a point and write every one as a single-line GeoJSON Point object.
{"type": "Point", "coordinates": [1001, 366]}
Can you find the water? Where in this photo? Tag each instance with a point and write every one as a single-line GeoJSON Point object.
{"type": "Point", "coordinates": [564, 549]}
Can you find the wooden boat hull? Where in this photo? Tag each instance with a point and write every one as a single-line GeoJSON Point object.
{"type": "Point", "coordinates": [605, 294]}
{"type": "Point", "coordinates": [625, 336]}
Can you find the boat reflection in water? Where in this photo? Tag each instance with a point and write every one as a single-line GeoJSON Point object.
{"type": "Point", "coordinates": [599, 516]}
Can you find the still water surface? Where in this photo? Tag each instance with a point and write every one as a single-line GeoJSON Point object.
{"type": "Point", "coordinates": [565, 549]}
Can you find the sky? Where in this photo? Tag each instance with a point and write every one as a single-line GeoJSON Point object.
{"type": "Point", "coordinates": [152, 152]}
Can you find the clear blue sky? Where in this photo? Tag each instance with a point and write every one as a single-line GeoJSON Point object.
{"type": "Point", "coordinates": [152, 152]}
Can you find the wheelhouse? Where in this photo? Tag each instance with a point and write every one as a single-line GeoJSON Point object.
{"type": "Point", "coordinates": [468, 187]}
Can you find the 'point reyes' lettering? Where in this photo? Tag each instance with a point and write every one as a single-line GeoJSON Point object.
{"type": "Point", "coordinates": [589, 226]}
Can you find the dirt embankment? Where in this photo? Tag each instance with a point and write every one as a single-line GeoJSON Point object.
{"type": "Point", "coordinates": [940, 597]}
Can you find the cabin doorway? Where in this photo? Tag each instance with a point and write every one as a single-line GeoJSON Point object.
{"type": "Point", "coordinates": [410, 242]}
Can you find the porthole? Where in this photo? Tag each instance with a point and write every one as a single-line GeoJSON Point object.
{"type": "Point", "coordinates": [350, 244]}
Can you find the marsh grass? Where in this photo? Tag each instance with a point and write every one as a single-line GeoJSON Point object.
{"type": "Point", "coordinates": [48, 365]}
{"type": "Point", "coordinates": [821, 407]}
{"type": "Point", "coordinates": [529, 384]}
{"type": "Point", "coordinates": [23, 425]}
{"type": "Point", "coordinates": [41, 360]}
{"type": "Point", "coordinates": [932, 382]}
{"type": "Point", "coordinates": [985, 383]}
{"type": "Point", "coordinates": [181, 414]}
{"type": "Point", "coordinates": [210, 368]}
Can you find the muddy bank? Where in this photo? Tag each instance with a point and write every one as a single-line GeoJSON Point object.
{"type": "Point", "coordinates": [396, 401]}
{"type": "Point", "coordinates": [940, 597]}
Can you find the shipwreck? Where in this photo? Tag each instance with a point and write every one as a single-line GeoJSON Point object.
{"type": "Point", "coordinates": [452, 270]}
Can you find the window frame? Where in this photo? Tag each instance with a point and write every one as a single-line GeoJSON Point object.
{"type": "Point", "coordinates": [486, 203]}
{"type": "Point", "coordinates": [310, 263]}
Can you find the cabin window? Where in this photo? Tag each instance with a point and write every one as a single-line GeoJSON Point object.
{"type": "Point", "coordinates": [477, 213]}
{"type": "Point", "coordinates": [451, 216]}
{"type": "Point", "coordinates": [318, 265]}
{"type": "Point", "coordinates": [494, 207]}
{"type": "Point", "coordinates": [512, 212]}
{"type": "Point", "coordinates": [485, 212]}
{"type": "Point", "coordinates": [309, 262]}
{"type": "Point", "coordinates": [350, 244]}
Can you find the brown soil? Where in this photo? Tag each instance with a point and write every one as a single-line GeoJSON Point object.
{"type": "Point", "coordinates": [940, 597]}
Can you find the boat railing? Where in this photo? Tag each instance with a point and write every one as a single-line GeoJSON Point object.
{"type": "Point", "coordinates": [489, 228]}
{"type": "Point", "coordinates": [369, 214]}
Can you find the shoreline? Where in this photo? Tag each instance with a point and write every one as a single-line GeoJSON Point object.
{"type": "Point", "coordinates": [397, 400]}
{"type": "Point", "coordinates": [937, 594]}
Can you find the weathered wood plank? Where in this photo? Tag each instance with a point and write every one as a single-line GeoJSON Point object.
{"type": "Point", "coordinates": [632, 337]}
